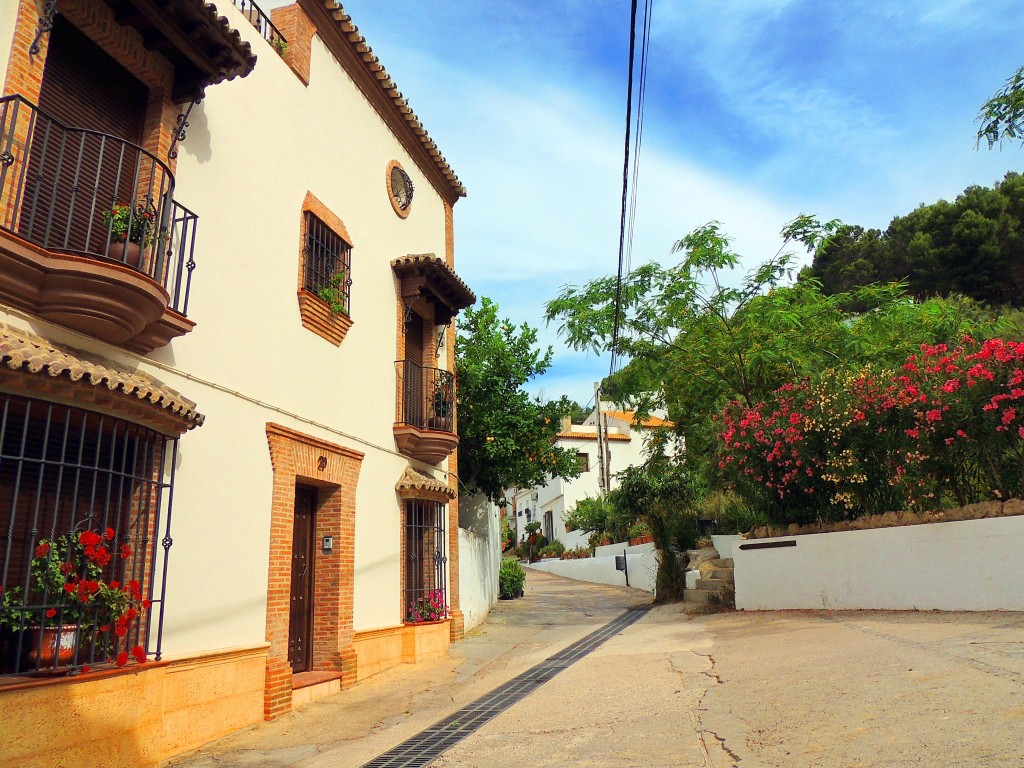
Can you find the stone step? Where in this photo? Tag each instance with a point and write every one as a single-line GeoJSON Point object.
{"type": "Point", "coordinates": [725, 574]}
{"type": "Point", "coordinates": [721, 562]}
{"type": "Point", "coordinates": [714, 585]}
{"type": "Point", "coordinates": [699, 596]}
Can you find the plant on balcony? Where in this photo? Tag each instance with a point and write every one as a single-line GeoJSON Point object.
{"type": "Point", "coordinates": [335, 293]}
{"type": "Point", "coordinates": [444, 398]}
{"type": "Point", "coordinates": [131, 223]}
{"type": "Point", "coordinates": [67, 583]}
{"type": "Point", "coordinates": [432, 607]}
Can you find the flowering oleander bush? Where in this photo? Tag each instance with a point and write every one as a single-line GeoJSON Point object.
{"type": "Point", "coordinates": [431, 607]}
{"type": "Point", "coordinates": [948, 426]}
{"type": "Point", "coordinates": [68, 587]}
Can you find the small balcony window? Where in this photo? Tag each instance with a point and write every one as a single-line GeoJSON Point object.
{"type": "Point", "coordinates": [327, 265]}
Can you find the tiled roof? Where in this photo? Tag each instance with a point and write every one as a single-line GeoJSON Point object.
{"type": "Point", "coordinates": [455, 288]}
{"type": "Point", "coordinates": [630, 418]}
{"type": "Point", "coordinates": [411, 480]}
{"type": "Point", "coordinates": [590, 436]}
{"type": "Point", "coordinates": [390, 91]}
{"type": "Point", "coordinates": [20, 350]}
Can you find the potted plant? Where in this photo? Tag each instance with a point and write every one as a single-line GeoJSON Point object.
{"type": "Point", "coordinates": [511, 578]}
{"type": "Point", "coordinates": [335, 293]}
{"type": "Point", "coordinates": [71, 603]}
{"type": "Point", "coordinates": [431, 607]}
{"type": "Point", "coordinates": [443, 403]}
{"type": "Point", "coordinates": [130, 227]}
{"type": "Point", "coordinates": [640, 533]}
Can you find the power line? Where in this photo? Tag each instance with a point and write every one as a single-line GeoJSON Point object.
{"type": "Point", "coordinates": [625, 183]}
{"type": "Point", "coordinates": [626, 223]}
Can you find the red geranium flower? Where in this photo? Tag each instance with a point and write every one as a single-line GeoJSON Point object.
{"type": "Point", "coordinates": [122, 658]}
{"type": "Point", "coordinates": [42, 550]}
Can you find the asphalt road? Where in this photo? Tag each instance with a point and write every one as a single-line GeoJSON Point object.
{"type": "Point", "coordinates": [786, 690]}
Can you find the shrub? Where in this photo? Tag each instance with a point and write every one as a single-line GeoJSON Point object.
{"type": "Point", "coordinates": [948, 427]}
{"type": "Point", "coordinates": [511, 578]}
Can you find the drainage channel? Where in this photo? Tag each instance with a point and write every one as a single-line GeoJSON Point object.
{"type": "Point", "coordinates": [427, 745]}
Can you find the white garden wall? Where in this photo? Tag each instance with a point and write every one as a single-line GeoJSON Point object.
{"type": "Point", "coordinates": [641, 561]}
{"type": "Point", "coordinates": [972, 565]}
{"type": "Point", "coordinates": [479, 560]}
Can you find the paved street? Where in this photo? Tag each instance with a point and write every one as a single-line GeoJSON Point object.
{"type": "Point", "coordinates": [679, 689]}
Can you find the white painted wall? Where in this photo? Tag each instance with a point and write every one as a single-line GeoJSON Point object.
{"type": "Point", "coordinates": [973, 565]}
{"type": "Point", "coordinates": [479, 557]}
{"type": "Point", "coordinates": [479, 560]}
{"type": "Point", "coordinates": [642, 563]}
{"type": "Point", "coordinates": [254, 147]}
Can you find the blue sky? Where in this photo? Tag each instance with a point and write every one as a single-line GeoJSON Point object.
{"type": "Point", "coordinates": [756, 111]}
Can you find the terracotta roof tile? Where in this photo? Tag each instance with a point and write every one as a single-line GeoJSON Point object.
{"type": "Point", "coordinates": [20, 350]}
{"type": "Point", "coordinates": [461, 293]}
{"type": "Point", "coordinates": [390, 90]}
{"type": "Point", "coordinates": [411, 480]}
{"type": "Point", "coordinates": [630, 418]}
{"type": "Point", "coordinates": [590, 436]}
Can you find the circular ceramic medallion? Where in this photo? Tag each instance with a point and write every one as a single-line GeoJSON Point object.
{"type": "Point", "coordinates": [400, 188]}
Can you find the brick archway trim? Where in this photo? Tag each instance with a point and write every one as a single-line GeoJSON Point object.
{"type": "Point", "coordinates": [334, 471]}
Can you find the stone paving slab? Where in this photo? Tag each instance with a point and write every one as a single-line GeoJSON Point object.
{"type": "Point", "coordinates": [817, 689]}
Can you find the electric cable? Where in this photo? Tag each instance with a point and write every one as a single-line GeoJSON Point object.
{"type": "Point", "coordinates": [625, 184]}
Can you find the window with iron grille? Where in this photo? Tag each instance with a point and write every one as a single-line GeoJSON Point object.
{"type": "Point", "coordinates": [425, 561]}
{"type": "Point", "coordinates": [328, 264]}
{"type": "Point", "coordinates": [82, 501]}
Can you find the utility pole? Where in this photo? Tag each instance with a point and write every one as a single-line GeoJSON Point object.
{"type": "Point", "coordinates": [602, 477]}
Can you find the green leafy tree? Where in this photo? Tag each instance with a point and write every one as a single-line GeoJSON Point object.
{"type": "Point", "coordinates": [698, 341]}
{"type": "Point", "coordinates": [1002, 116]}
{"type": "Point", "coordinates": [664, 493]}
{"type": "Point", "coordinates": [506, 438]}
{"type": "Point", "coordinates": [972, 246]}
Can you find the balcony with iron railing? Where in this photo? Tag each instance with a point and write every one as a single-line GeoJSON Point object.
{"type": "Point", "coordinates": [90, 234]}
{"type": "Point", "coordinates": [425, 426]}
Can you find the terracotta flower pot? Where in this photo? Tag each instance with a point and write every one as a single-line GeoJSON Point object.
{"type": "Point", "coordinates": [128, 254]}
{"type": "Point", "coordinates": [48, 648]}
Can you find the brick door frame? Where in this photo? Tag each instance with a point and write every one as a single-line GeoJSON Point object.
{"type": "Point", "coordinates": [334, 471]}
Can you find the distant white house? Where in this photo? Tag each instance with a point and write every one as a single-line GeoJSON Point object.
{"type": "Point", "coordinates": [623, 437]}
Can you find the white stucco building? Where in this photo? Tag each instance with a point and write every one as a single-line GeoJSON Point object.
{"type": "Point", "coordinates": [207, 376]}
{"type": "Point", "coordinates": [620, 443]}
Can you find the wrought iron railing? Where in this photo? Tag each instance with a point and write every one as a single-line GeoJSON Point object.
{"type": "Point", "coordinates": [263, 24]}
{"type": "Point", "coordinates": [427, 397]}
{"type": "Point", "coordinates": [77, 191]}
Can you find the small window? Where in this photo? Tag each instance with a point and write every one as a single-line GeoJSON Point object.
{"type": "Point", "coordinates": [584, 459]}
{"type": "Point", "coordinates": [328, 265]}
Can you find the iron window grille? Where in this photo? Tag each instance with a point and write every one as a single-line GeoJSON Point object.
{"type": "Point", "coordinates": [328, 264]}
{"type": "Point", "coordinates": [425, 561]}
{"type": "Point", "coordinates": [65, 472]}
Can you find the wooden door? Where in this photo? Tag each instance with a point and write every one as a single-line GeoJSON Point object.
{"type": "Point", "coordinates": [300, 622]}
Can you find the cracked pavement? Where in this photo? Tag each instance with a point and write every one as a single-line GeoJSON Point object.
{"type": "Point", "coordinates": [731, 690]}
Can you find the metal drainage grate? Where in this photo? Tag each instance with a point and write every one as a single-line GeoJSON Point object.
{"type": "Point", "coordinates": [428, 744]}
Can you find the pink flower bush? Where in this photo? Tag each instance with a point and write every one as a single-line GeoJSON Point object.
{"type": "Point", "coordinates": [947, 426]}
